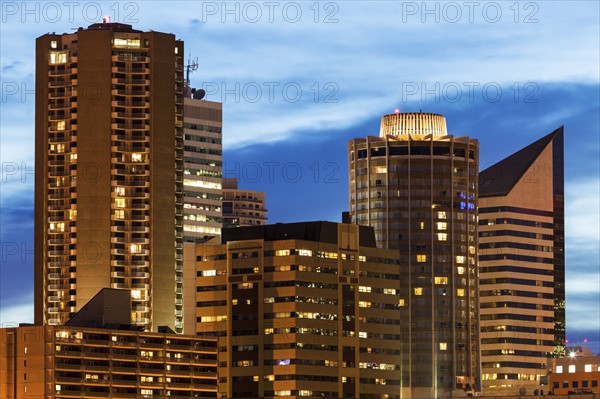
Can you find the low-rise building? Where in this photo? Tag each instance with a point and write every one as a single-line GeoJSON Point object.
{"type": "Point", "coordinates": [77, 361]}
{"type": "Point", "coordinates": [579, 372]}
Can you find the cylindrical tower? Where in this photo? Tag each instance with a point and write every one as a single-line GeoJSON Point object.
{"type": "Point", "coordinates": [417, 186]}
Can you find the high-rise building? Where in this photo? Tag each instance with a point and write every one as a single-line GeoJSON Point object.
{"type": "Point", "coordinates": [99, 356]}
{"type": "Point", "coordinates": [109, 172]}
{"type": "Point", "coordinates": [417, 186]}
{"type": "Point", "coordinates": [310, 309]}
{"type": "Point", "coordinates": [522, 265]}
{"type": "Point", "coordinates": [203, 160]}
{"type": "Point", "coordinates": [242, 207]}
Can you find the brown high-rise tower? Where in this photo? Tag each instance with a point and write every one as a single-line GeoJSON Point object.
{"type": "Point", "coordinates": [109, 166]}
{"type": "Point", "coordinates": [522, 266]}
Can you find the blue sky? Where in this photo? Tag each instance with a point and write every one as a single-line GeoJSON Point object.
{"type": "Point", "coordinates": [300, 79]}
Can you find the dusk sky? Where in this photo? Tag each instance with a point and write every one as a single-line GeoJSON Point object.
{"type": "Point", "coordinates": [300, 79]}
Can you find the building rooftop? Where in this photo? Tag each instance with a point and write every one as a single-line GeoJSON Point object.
{"type": "Point", "coordinates": [500, 178]}
{"type": "Point", "coordinates": [318, 231]}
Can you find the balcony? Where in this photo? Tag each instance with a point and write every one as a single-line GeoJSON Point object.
{"type": "Point", "coordinates": [60, 72]}
{"type": "Point", "coordinates": [130, 92]}
{"type": "Point", "coordinates": [130, 69]}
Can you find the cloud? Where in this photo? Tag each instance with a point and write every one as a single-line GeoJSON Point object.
{"type": "Point", "coordinates": [17, 313]}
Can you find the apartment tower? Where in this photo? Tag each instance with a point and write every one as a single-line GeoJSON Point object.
{"type": "Point", "coordinates": [242, 207]}
{"type": "Point", "coordinates": [203, 165]}
{"type": "Point", "coordinates": [522, 265]}
{"type": "Point", "coordinates": [109, 172]}
{"type": "Point", "coordinates": [417, 186]}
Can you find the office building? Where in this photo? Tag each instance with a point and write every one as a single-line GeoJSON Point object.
{"type": "Point", "coordinates": [417, 187]}
{"type": "Point", "coordinates": [308, 309]}
{"type": "Point", "coordinates": [576, 373]}
{"type": "Point", "coordinates": [242, 207]}
{"type": "Point", "coordinates": [109, 172]}
{"type": "Point", "coordinates": [203, 160]}
{"type": "Point", "coordinates": [522, 265]}
{"type": "Point", "coordinates": [105, 359]}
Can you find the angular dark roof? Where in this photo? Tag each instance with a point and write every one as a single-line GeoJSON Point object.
{"type": "Point", "coordinates": [500, 178]}
{"type": "Point", "coordinates": [325, 232]}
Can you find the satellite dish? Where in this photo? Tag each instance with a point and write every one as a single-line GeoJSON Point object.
{"type": "Point", "coordinates": [199, 94]}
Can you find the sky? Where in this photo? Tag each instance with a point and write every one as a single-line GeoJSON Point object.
{"type": "Point", "coordinates": [299, 79]}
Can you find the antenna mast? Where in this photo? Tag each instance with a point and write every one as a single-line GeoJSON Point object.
{"type": "Point", "coordinates": [191, 66]}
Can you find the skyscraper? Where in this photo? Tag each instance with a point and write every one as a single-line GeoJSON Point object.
{"type": "Point", "coordinates": [109, 172]}
{"type": "Point", "coordinates": [203, 160]}
{"type": "Point", "coordinates": [417, 186]}
{"type": "Point", "coordinates": [310, 309]}
{"type": "Point", "coordinates": [522, 264]}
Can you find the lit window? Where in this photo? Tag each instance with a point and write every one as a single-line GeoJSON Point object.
{"type": "Point", "coordinates": [122, 42]}
{"type": "Point", "coordinates": [53, 44]}
{"type": "Point", "coordinates": [421, 258]}
{"type": "Point", "coordinates": [418, 291]}
{"type": "Point", "coordinates": [442, 237]}
{"type": "Point", "coordinates": [176, 50]}
{"type": "Point", "coordinates": [119, 214]}
{"type": "Point", "coordinates": [136, 294]}
{"type": "Point", "coordinates": [304, 252]}
{"type": "Point", "coordinates": [442, 225]}
{"type": "Point", "coordinates": [362, 288]}
{"type": "Point", "coordinates": [401, 302]}
{"type": "Point", "coordinates": [362, 334]}
{"type": "Point", "coordinates": [441, 215]}
{"type": "Point", "coordinates": [389, 291]}
{"type": "Point", "coordinates": [209, 273]}
{"type": "Point", "coordinates": [460, 292]}
{"type": "Point", "coordinates": [282, 252]}
{"type": "Point", "coordinates": [460, 259]}
{"type": "Point", "coordinates": [120, 202]}
{"type": "Point", "coordinates": [120, 191]}
{"type": "Point", "coordinates": [58, 58]}
{"type": "Point", "coordinates": [571, 368]}
{"type": "Point", "coordinates": [362, 258]}
{"type": "Point", "coordinates": [588, 368]}
{"type": "Point", "coordinates": [443, 346]}
{"type": "Point", "coordinates": [136, 157]}
{"type": "Point", "coordinates": [135, 248]}
{"type": "Point", "coordinates": [422, 225]}
{"type": "Point", "coordinates": [559, 369]}
{"type": "Point", "coordinates": [60, 125]}
{"type": "Point", "coordinates": [441, 280]}
{"type": "Point", "coordinates": [460, 270]}
{"type": "Point", "coordinates": [268, 331]}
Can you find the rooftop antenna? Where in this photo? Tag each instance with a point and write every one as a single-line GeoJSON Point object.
{"type": "Point", "coordinates": [191, 66]}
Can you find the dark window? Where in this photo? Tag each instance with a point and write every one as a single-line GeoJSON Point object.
{"type": "Point", "coordinates": [399, 150]}
{"type": "Point", "coordinates": [459, 152]}
{"type": "Point", "coordinates": [438, 150]}
{"type": "Point", "coordinates": [361, 153]}
{"type": "Point", "coordinates": [378, 152]}
{"type": "Point", "coordinates": [419, 150]}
